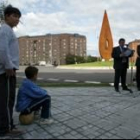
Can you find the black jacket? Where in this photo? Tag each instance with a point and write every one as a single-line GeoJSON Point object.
{"type": "Point", "coordinates": [118, 61]}
{"type": "Point", "coordinates": [138, 58]}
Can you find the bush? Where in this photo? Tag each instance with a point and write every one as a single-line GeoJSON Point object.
{"type": "Point", "coordinates": [92, 59]}
{"type": "Point", "coordinates": [70, 59]}
{"type": "Point", "coordinates": [80, 59]}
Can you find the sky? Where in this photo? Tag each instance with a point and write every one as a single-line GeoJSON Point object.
{"type": "Point", "coordinates": [40, 17]}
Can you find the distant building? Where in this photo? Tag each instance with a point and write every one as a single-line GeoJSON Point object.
{"type": "Point", "coordinates": [50, 48]}
{"type": "Point", "coordinates": [133, 45]}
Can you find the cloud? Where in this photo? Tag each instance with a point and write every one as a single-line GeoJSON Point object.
{"type": "Point", "coordinates": [23, 4]}
{"type": "Point", "coordinates": [79, 16]}
{"type": "Point", "coordinates": [43, 23]}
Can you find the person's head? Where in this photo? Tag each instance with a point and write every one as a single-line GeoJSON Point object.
{"type": "Point", "coordinates": [138, 48]}
{"type": "Point", "coordinates": [12, 16]}
{"type": "Point", "coordinates": [31, 73]}
{"type": "Point", "coordinates": [121, 41]}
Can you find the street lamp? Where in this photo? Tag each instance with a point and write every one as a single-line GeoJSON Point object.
{"type": "Point", "coordinates": [51, 49]}
{"type": "Point", "coordinates": [50, 52]}
{"type": "Point", "coordinates": [34, 50]}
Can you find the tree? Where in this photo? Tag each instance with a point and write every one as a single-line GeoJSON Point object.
{"type": "Point", "coordinates": [2, 7]}
{"type": "Point", "coordinates": [80, 59]}
{"type": "Point", "coordinates": [70, 59]}
{"type": "Point", "coordinates": [92, 59]}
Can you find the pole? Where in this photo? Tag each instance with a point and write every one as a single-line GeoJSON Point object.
{"type": "Point", "coordinates": [131, 82]}
{"type": "Point", "coordinates": [131, 71]}
{"type": "Point", "coordinates": [51, 48]}
{"type": "Point", "coordinates": [8, 98]}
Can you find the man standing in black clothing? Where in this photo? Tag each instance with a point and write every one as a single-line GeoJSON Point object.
{"type": "Point", "coordinates": [121, 64]}
{"type": "Point", "coordinates": [138, 68]}
{"type": "Point", "coordinates": [9, 63]}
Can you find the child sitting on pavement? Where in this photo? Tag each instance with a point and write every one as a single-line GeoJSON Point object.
{"type": "Point", "coordinates": [31, 97]}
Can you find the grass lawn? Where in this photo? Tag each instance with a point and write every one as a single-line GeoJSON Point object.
{"type": "Point", "coordinates": [93, 64]}
{"type": "Point", "coordinates": [70, 85]}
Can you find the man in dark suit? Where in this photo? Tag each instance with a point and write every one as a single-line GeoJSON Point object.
{"type": "Point", "coordinates": [121, 64]}
{"type": "Point", "coordinates": [138, 68]}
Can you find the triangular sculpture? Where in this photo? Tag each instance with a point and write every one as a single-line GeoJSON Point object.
{"type": "Point", "coordinates": [105, 40]}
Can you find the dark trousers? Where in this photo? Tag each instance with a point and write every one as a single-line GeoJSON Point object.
{"type": "Point", "coordinates": [7, 100]}
{"type": "Point", "coordinates": [120, 73]}
{"type": "Point", "coordinates": [138, 77]}
{"type": "Point", "coordinates": [43, 103]}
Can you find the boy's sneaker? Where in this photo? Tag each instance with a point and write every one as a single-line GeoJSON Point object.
{"type": "Point", "coordinates": [12, 133]}
{"type": "Point", "coordinates": [45, 121]}
{"type": "Point", "coordinates": [15, 132]}
{"type": "Point", "coordinates": [36, 115]}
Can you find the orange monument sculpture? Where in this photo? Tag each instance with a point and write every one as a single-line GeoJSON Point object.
{"type": "Point", "coordinates": [105, 39]}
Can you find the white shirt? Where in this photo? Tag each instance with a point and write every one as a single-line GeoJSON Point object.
{"type": "Point", "coordinates": [9, 49]}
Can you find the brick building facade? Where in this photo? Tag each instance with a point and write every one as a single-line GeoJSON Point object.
{"type": "Point", "coordinates": [50, 48]}
{"type": "Point", "coordinates": [133, 45]}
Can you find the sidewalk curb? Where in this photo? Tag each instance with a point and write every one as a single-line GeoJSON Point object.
{"type": "Point", "coordinates": [90, 68]}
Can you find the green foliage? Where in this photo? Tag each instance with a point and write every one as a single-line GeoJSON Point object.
{"type": "Point", "coordinates": [92, 59]}
{"type": "Point", "coordinates": [2, 7]}
{"type": "Point", "coordinates": [70, 59]}
{"type": "Point", "coordinates": [94, 64]}
{"type": "Point", "coordinates": [79, 59]}
{"type": "Point", "coordinates": [69, 85]}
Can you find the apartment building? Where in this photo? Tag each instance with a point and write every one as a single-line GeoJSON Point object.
{"type": "Point", "coordinates": [50, 48]}
{"type": "Point", "coordinates": [133, 45]}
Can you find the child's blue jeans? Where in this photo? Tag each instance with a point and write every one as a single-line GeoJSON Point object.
{"type": "Point", "coordinates": [36, 104]}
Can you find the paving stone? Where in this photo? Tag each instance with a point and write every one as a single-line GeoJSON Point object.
{"type": "Point", "coordinates": [26, 136]}
{"type": "Point", "coordinates": [91, 136]}
{"type": "Point", "coordinates": [127, 133]}
{"type": "Point", "coordinates": [68, 136]}
{"type": "Point", "coordinates": [88, 113]}
{"type": "Point", "coordinates": [60, 137]}
{"type": "Point", "coordinates": [115, 137]}
{"type": "Point", "coordinates": [109, 135]}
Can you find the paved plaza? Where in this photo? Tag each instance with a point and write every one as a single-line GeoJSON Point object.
{"type": "Point", "coordinates": [88, 113]}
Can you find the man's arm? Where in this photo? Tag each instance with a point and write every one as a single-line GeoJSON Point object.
{"type": "Point", "coordinates": [5, 54]}
{"type": "Point", "coordinates": [36, 92]}
{"type": "Point", "coordinates": [116, 54]}
{"type": "Point", "coordinates": [138, 50]}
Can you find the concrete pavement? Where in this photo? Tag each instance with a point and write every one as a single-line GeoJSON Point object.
{"type": "Point", "coordinates": [49, 74]}
{"type": "Point", "coordinates": [43, 68]}
{"type": "Point", "coordinates": [88, 113]}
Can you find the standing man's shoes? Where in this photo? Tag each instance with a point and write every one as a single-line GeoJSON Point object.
{"type": "Point", "coordinates": [126, 88]}
{"type": "Point", "coordinates": [14, 132]}
{"type": "Point", "coordinates": [117, 90]}
{"type": "Point", "coordinates": [3, 133]}
{"type": "Point", "coordinates": [138, 89]}
{"type": "Point", "coordinates": [11, 133]}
